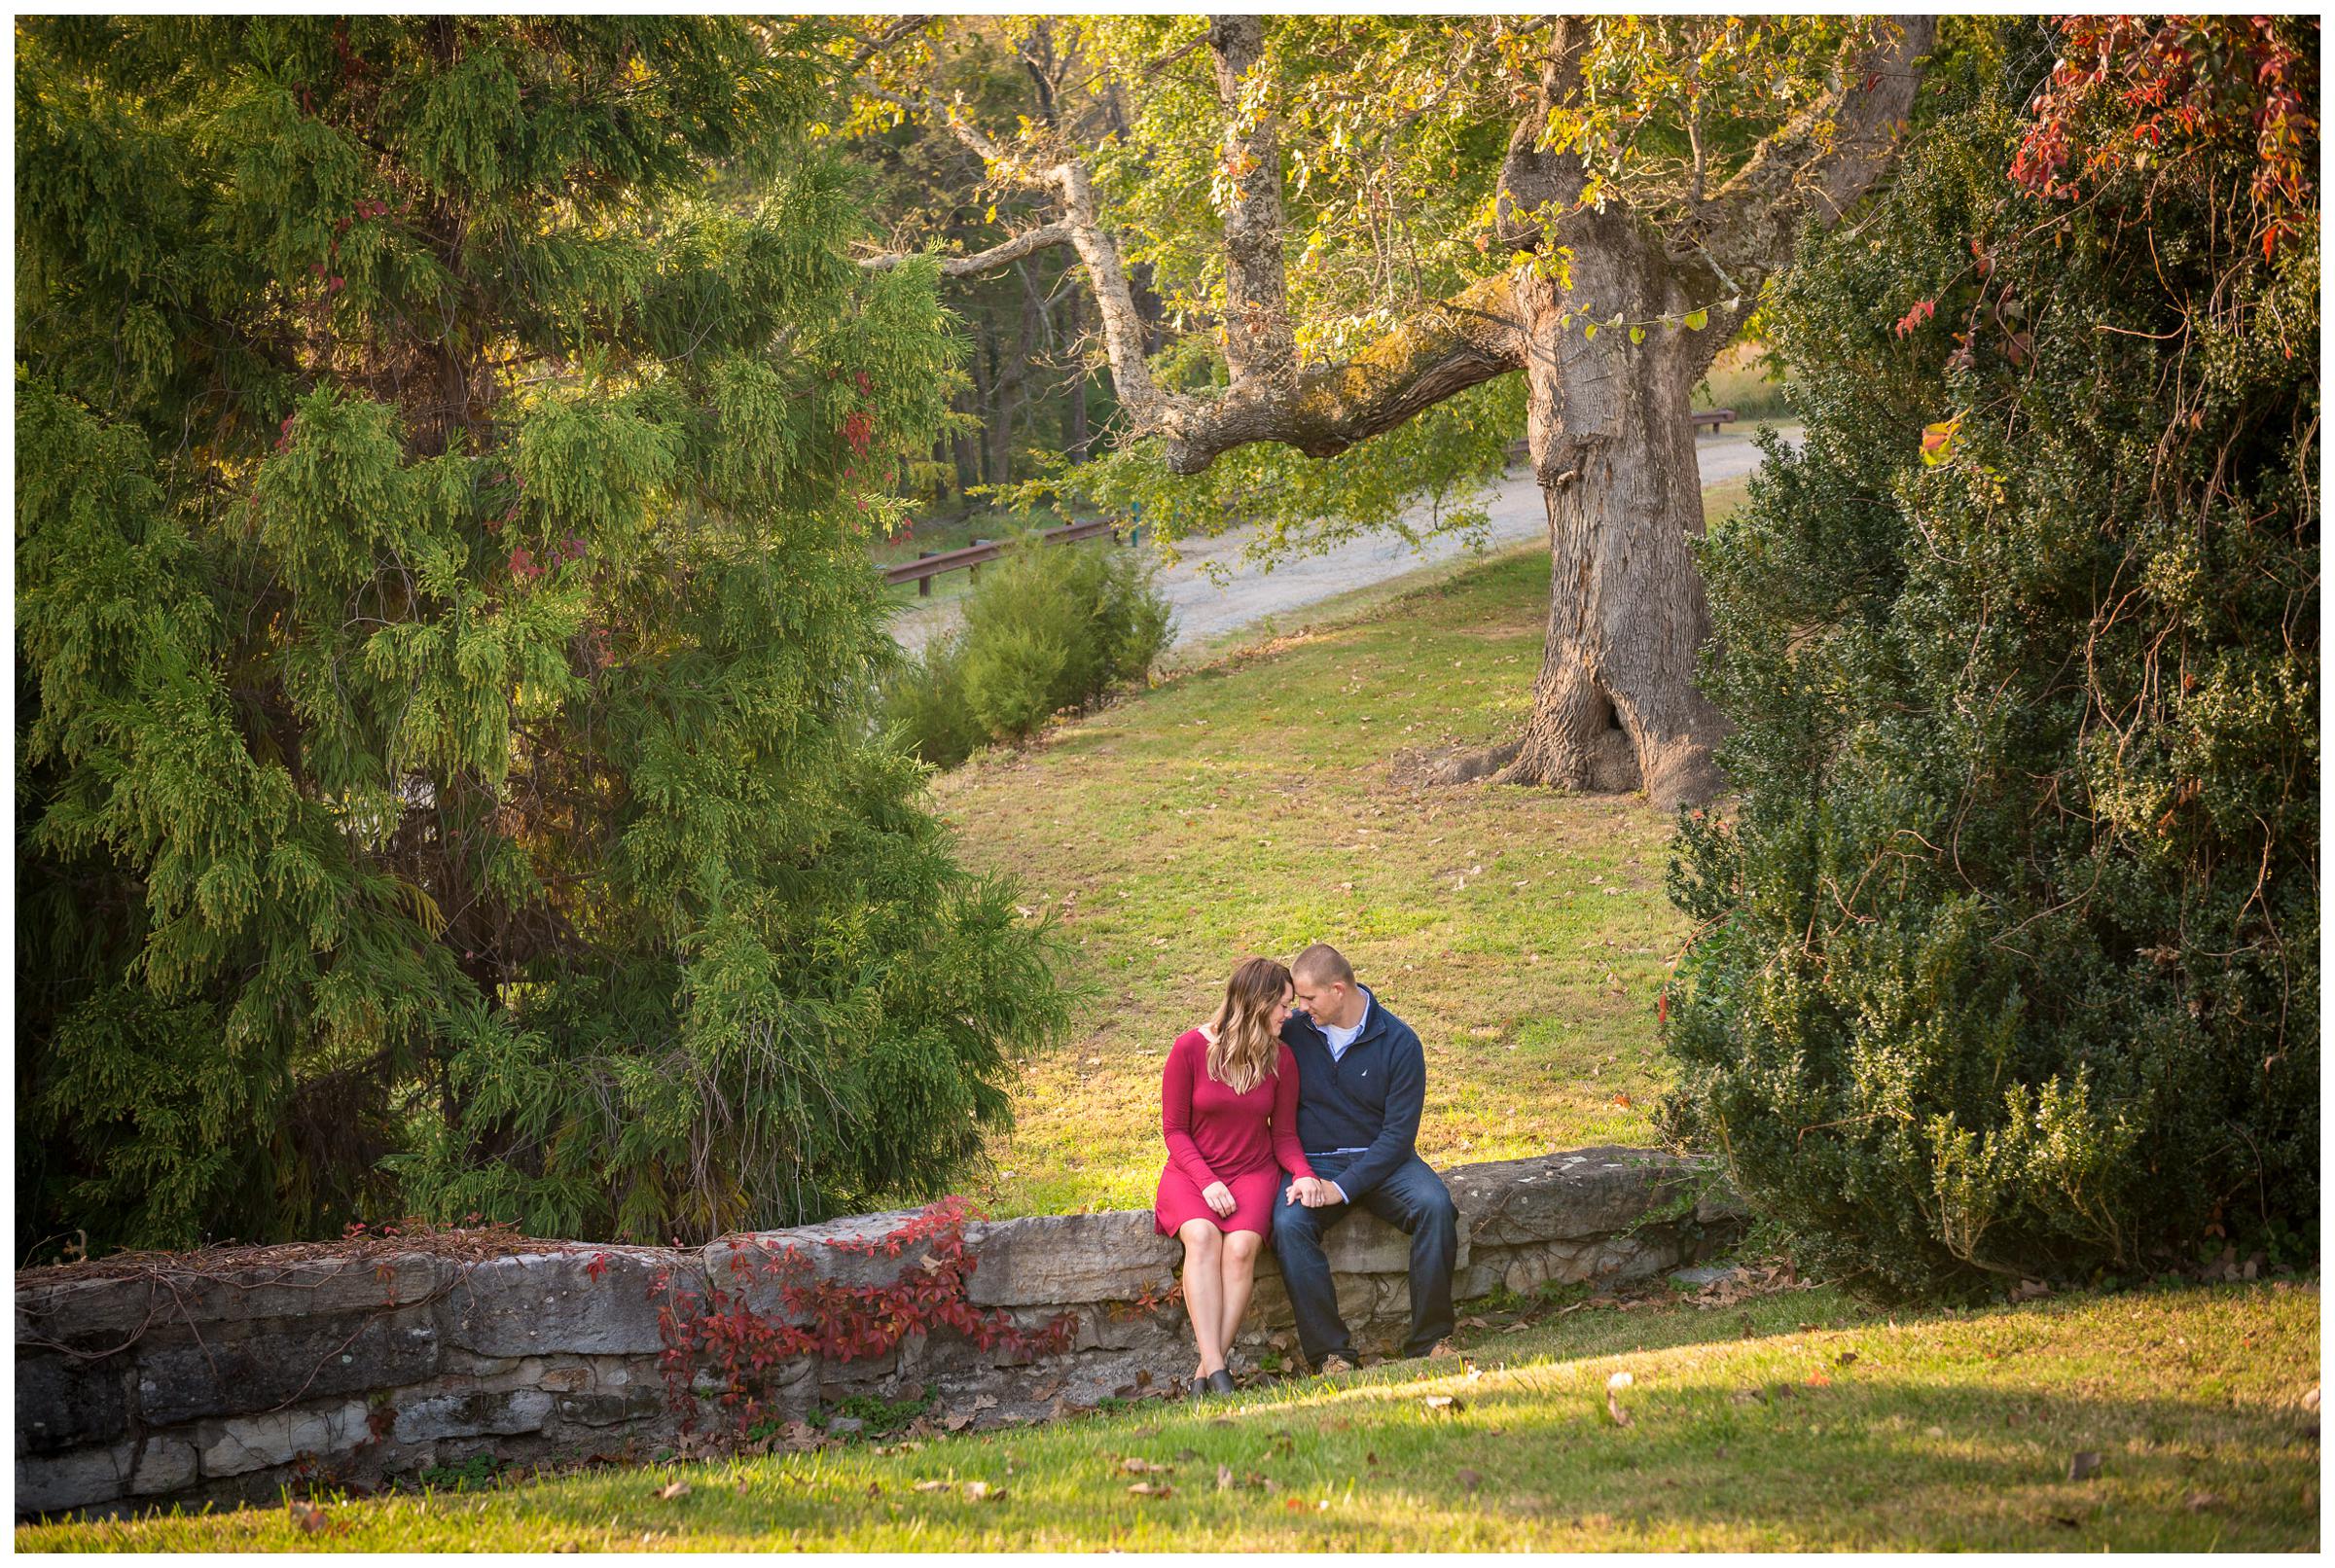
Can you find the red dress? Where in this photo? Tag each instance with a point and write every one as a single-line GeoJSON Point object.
{"type": "Point", "coordinates": [1245, 1141]}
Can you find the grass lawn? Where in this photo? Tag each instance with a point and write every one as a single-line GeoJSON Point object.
{"type": "Point", "coordinates": [1796, 1421]}
{"type": "Point", "coordinates": [1246, 806]}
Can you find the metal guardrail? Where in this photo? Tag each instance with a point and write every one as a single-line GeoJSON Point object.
{"type": "Point", "coordinates": [971, 558]}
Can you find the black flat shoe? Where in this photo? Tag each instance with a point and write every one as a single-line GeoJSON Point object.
{"type": "Point", "coordinates": [1220, 1381]}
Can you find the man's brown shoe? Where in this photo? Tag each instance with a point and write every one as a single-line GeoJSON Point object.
{"type": "Point", "coordinates": [1332, 1366]}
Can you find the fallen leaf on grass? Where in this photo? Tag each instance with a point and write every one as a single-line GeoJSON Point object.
{"type": "Point", "coordinates": [2065, 1521]}
{"type": "Point", "coordinates": [1370, 1458]}
{"type": "Point", "coordinates": [1817, 1380]}
{"type": "Point", "coordinates": [1187, 1454]}
{"type": "Point", "coordinates": [1473, 1322]}
{"type": "Point", "coordinates": [936, 1485]}
{"type": "Point", "coordinates": [2084, 1466]}
{"type": "Point", "coordinates": [1518, 1327]}
{"type": "Point", "coordinates": [959, 1422]}
{"type": "Point", "coordinates": [2310, 1400]}
{"type": "Point", "coordinates": [1847, 1358]}
{"type": "Point", "coordinates": [1147, 1488]}
{"type": "Point", "coordinates": [981, 1491]}
{"type": "Point", "coordinates": [1224, 1478]}
{"type": "Point", "coordinates": [2199, 1502]}
{"type": "Point", "coordinates": [1135, 1465]}
{"type": "Point", "coordinates": [567, 1546]}
{"type": "Point", "coordinates": [673, 1493]}
{"type": "Point", "coordinates": [1613, 1408]}
{"type": "Point", "coordinates": [1442, 1404]}
{"type": "Point", "coordinates": [1469, 1479]}
{"type": "Point", "coordinates": [309, 1516]}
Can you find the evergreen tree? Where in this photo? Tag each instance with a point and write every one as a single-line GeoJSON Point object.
{"type": "Point", "coordinates": [2009, 956]}
{"type": "Point", "coordinates": [445, 643]}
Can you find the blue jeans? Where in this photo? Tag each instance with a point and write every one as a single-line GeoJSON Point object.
{"type": "Point", "coordinates": [1412, 1199]}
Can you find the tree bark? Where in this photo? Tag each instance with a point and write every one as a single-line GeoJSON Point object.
{"type": "Point", "coordinates": [1615, 706]}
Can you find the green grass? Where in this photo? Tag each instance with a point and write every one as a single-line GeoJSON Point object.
{"type": "Point", "coordinates": [1798, 1421]}
{"type": "Point", "coordinates": [1246, 806]}
{"type": "Point", "coordinates": [1739, 379]}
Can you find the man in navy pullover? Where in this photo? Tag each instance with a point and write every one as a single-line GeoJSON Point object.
{"type": "Point", "coordinates": [1363, 1080]}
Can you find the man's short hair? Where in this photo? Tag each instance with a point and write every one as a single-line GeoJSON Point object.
{"type": "Point", "coordinates": [1324, 963]}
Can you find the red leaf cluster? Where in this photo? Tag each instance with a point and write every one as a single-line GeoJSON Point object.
{"type": "Point", "coordinates": [720, 1334]}
{"type": "Point", "coordinates": [2129, 89]}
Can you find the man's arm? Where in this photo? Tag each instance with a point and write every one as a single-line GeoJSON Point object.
{"type": "Point", "coordinates": [1398, 1140]}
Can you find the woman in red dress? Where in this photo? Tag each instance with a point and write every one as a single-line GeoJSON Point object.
{"type": "Point", "coordinates": [1229, 1111]}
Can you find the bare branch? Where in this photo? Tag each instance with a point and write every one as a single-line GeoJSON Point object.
{"type": "Point", "coordinates": [988, 261]}
{"type": "Point", "coordinates": [1319, 410]}
{"type": "Point", "coordinates": [1171, 56]}
{"type": "Point", "coordinates": [871, 47]}
{"type": "Point", "coordinates": [1822, 161]}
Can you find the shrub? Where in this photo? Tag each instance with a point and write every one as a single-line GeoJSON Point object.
{"type": "Point", "coordinates": [1048, 627]}
{"type": "Point", "coordinates": [2009, 951]}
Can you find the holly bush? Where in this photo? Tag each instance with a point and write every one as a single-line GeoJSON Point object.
{"type": "Point", "coordinates": [2007, 948]}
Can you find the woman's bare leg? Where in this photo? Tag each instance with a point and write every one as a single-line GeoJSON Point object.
{"type": "Point", "coordinates": [1203, 1289]}
{"type": "Point", "coordinates": [1240, 1277]}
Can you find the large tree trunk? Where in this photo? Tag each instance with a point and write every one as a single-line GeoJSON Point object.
{"type": "Point", "coordinates": [1615, 706]}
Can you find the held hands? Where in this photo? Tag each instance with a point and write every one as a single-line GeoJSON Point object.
{"type": "Point", "coordinates": [1312, 1191]}
{"type": "Point", "coordinates": [1219, 1198]}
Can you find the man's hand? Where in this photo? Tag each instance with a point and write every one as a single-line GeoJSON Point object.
{"type": "Point", "coordinates": [1219, 1198]}
{"type": "Point", "coordinates": [1312, 1192]}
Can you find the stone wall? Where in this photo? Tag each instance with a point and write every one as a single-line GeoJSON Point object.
{"type": "Point", "coordinates": [226, 1387]}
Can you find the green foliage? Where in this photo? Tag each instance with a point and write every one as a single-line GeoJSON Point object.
{"type": "Point", "coordinates": [474, 1474]}
{"type": "Point", "coordinates": [1050, 627]}
{"type": "Point", "coordinates": [445, 777]}
{"type": "Point", "coordinates": [2011, 960]}
{"type": "Point", "coordinates": [879, 1417]}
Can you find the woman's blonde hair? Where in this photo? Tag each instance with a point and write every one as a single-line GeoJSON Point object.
{"type": "Point", "coordinates": [1246, 1045]}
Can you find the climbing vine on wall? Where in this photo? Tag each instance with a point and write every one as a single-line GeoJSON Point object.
{"type": "Point", "coordinates": [717, 1336]}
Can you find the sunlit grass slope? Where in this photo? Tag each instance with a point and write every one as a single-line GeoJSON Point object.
{"type": "Point", "coordinates": [1250, 807]}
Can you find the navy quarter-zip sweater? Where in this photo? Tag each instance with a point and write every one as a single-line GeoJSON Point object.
{"type": "Point", "coordinates": [1370, 1100]}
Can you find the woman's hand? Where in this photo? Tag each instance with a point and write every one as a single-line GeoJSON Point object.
{"type": "Point", "coordinates": [1312, 1192]}
{"type": "Point", "coordinates": [1219, 1198]}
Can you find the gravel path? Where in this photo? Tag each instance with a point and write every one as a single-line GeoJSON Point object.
{"type": "Point", "coordinates": [1204, 610]}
